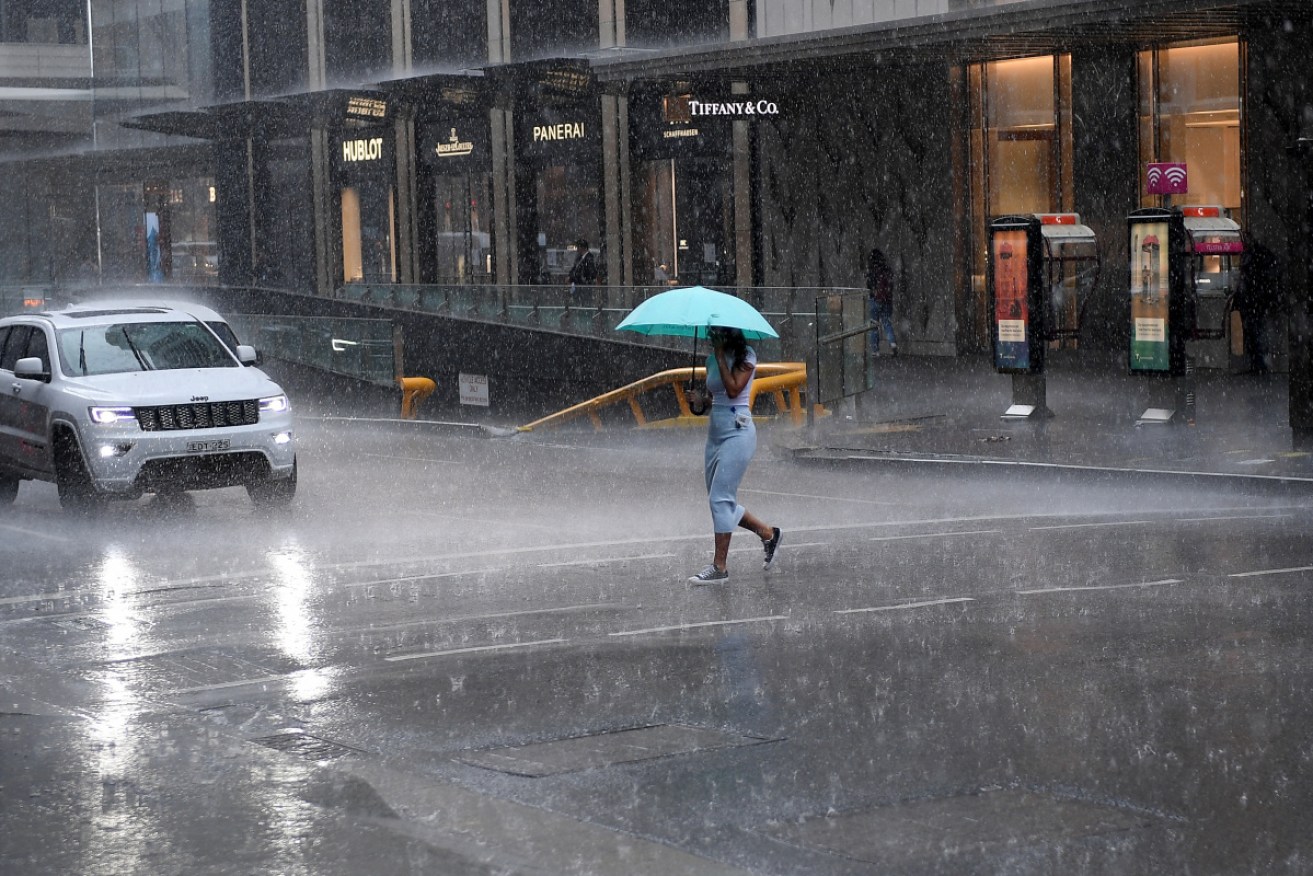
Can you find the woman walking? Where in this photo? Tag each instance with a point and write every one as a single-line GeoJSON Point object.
{"type": "Point", "coordinates": [731, 442]}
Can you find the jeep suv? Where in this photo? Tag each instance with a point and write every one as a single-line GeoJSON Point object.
{"type": "Point", "coordinates": [114, 401]}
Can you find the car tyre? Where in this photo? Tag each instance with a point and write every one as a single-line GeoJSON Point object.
{"type": "Point", "coordinates": [8, 489]}
{"type": "Point", "coordinates": [271, 493]}
{"type": "Point", "coordinates": [73, 481]}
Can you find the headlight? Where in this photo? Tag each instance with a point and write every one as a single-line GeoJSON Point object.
{"type": "Point", "coordinates": [273, 404]}
{"type": "Point", "coordinates": [110, 416]}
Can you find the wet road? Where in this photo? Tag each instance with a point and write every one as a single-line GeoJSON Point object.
{"type": "Point", "coordinates": [462, 655]}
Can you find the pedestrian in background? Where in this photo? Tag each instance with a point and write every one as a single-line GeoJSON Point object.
{"type": "Point", "coordinates": [731, 443]}
{"type": "Point", "coordinates": [1257, 299]}
{"type": "Point", "coordinates": [880, 288]}
{"type": "Point", "coordinates": [584, 270]}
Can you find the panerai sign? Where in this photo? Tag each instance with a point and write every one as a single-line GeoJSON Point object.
{"type": "Point", "coordinates": [363, 149]}
{"type": "Point", "coordinates": [733, 108]}
{"type": "Point", "coordinates": [562, 131]}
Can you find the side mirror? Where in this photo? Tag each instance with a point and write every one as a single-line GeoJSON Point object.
{"type": "Point", "coordinates": [32, 368]}
{"type": "Point", "coordinates": [247, 355]}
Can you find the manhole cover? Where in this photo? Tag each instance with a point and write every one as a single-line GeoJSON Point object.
{"type": "Point", "coordinates": [605, 749]}
{"type": "Point", "coordinates": [305, 746]}
{"type": "Point", "coordinates": [900, 835]}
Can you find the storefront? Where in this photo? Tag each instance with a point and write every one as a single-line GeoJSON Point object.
{"type": "Point", "coordinates": [365, 176]}
{"type": "Point", "coordinates": [558, 173]}
{"type": "Point", "coordinates": [455, 199]}
{"type": "Point", "coordinates": [683, 191]}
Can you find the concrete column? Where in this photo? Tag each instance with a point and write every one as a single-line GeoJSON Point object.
{"type": "Point", "coordinates": [328, 255]}
{"type": "Point", "coordinates": [317, 75]}
{"type": "Point", "coordinates": [407, 199]}
{"type": "Point", "coordinates": [1105, 136]}
{"type": "Point", "coordinates": [1279, 187]}
{"type": "Point", "coordinates": [611, 23]}
{"type": "Point", "coordinates": [738, 20]}
{"type": "Point", "coordinates": [742, 171]}
{"type": "Point", "coordinates": [401, 49]}
{"type": "Point", "coordinates": [615, 189]}
{"type": "Point", "coordinates": [503, 193]}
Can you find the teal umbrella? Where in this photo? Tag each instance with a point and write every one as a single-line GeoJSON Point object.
{"type": "Point", "coordinates": [689, 312]}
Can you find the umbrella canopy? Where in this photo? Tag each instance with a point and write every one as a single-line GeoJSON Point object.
{"type": "Point", "coordinates": [689, 312]}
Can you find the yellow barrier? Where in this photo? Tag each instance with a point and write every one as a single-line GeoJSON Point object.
{"type": "Point", "coordinates": [413, 391]}
{"type": "Point", "coordinates": [784, 382]}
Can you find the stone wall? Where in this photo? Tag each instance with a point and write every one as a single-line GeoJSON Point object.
{"type": "Point", "coordinates": [862, 160]}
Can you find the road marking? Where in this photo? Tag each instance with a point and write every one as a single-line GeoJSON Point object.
{"type": "Point", "coordinates": [603, 560]}
{"type": "Point", "coordinates": [1161, 583]}
{"type": "Point", "coordinates": [1092, 525]}
{"type": "Point", "coordinates": [43, 597]}
{"type": "Point", "coordinates": [822, 498]}
{"type": "Point", "coordinates": [413, 578]}
{"type": "Point", "coordinates": [903, 605]}
{"type": "Point", "coordinates": [1270, 572]}
{"type": "Point", "coordinates": [935, 534]}
{"type": "Point", "coordinates": [413, 459]}
{"type": "Point", "coordinates": [266, 679]}
{"type": "Point", "coordinates": [475, 649]}
{"type": "Point", "coordinates": [1232, 517]}
{"type": "Point", "coordinates": [433, 621]}
{"type": "Point", "coordinates": [726, 623]}
{"type": "Point", "coordinates": [33, 532]}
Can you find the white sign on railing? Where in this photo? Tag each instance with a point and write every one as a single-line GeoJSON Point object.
{"type": "Point", "coordinates": [474, 389]}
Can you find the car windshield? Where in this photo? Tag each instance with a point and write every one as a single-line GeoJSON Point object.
{"type": "Point", "coordinates": [141, 346]}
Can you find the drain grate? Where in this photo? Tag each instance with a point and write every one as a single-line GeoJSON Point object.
{"type": "Point", "coordinates": [305, 746]}
{"type": "Point", "coordinates": [902, 835]}
{"type": "Point", "coordinates": [197, 670]}
{"type": "Point", "coordinates": [605, 749]}
{"type": "Point", "coordinates": [81, 624]}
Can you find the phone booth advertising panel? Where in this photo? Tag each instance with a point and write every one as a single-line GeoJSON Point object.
{"type": "Point", "coordinates": [1160, 318]}
{"type": "Point", "coordinates": [1017, 321]}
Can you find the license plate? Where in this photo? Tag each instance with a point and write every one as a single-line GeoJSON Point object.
{"type": "Point", "coordinates": [208, 446]}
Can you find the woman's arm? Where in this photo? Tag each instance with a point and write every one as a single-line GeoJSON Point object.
{"type": "Point", "coordinates": [734, 380]}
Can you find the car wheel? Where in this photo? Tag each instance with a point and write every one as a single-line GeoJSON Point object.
{"type": "Point", "coordinates": [77, 492]}
{"type": "Point", "coordinates": [8, 489]}
{"type": "Point", "coordinates": [271, 493]}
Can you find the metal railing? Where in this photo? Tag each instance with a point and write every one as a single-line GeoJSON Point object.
{"type": "Point", "coordinates": [784, 382]}
{"type": "Point", "coordinates": [596, 310]}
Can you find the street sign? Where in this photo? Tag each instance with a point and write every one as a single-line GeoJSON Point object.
{"type": "Point", "coordinates": [474, 389]}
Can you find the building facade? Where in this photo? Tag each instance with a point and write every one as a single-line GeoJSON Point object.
{"type": "Point", "coordinates": [311, 144]}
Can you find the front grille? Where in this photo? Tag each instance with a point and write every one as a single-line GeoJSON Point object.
{"type": "Point", "coordinates": [203, 471]}
{"type": "Point", "coordinates": [201, 415]}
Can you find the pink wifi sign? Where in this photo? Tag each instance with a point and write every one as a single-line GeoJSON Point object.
{"type": "Point", "coordinates": [1168, 179]}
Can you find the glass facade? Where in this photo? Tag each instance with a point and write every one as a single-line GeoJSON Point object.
{"type": "Point", "coordinates": [1190, 113]}
{"type": "Point", "coordinates": [1020, 152]}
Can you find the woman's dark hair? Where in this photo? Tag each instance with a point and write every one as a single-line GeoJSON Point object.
{"type": "Point", "coordinates": [735, 344]}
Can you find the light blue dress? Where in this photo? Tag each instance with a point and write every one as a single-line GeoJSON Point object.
{"type": "Point", "coordinates": [731, 442]}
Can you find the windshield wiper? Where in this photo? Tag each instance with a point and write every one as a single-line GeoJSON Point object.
{"type": "Point", "coordinates": [141, 360]}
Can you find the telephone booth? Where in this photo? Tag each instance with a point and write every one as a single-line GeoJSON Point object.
{"type": "Point", "coordinates": [1042, 269]}
{"type": "Point", "coordinates": [1069, 270]}
{"type": "Point", "coordinates": [1212, 269]}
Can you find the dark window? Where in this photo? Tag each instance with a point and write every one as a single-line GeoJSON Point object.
{"type": "Point", "coordinates": [650, 23]}
{"type": "Point", "coordinates": [357, 40]}
{"type": "Point", "coordinates": [449, 35]}
{"type": "Point", "coordinates": [38, 346]}
{"type": "Point", "coordinates": [276, 31]}
{"type": "Point", "coordinates": [4, 335]}
{"type": "Point", "coordinates": [559, 29]}
{"type": "Point", "coordinates": [15, 348]}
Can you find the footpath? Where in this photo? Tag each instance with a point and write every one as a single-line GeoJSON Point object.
{"type": "Point", "coordinates": [949, 410]}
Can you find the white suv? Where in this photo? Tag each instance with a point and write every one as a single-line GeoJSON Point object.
{"type": "Point", "coordinates": [112, 401]}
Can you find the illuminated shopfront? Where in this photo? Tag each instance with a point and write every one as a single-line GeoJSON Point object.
{"type": "Point", "coordinates": [456, 245]}
{"type": "Point", "coordinates": [365, 162]}
{"type": "Point", "coordinates": [1190, 113]}
{"type": "Point", "coordinates": [1020, 150]}
{"type": "Point", "coordinates": [683, 199]}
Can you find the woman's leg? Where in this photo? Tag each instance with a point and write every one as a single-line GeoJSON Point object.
{"type": "Point", "coordinates": [753, 523]}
